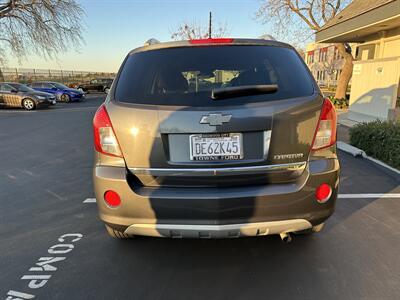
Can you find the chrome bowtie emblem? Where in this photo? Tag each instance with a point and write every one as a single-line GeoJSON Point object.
{"type": "Point", "coordinates": [215, 119]}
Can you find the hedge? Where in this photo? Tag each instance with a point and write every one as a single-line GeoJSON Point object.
{"type": "Point", "coordinates": [378, 139]}
{"type": "Point", "coordinates": [339, 103]}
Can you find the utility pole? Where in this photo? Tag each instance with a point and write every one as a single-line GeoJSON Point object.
{"type": "Point", "coordinates": [209, 26]}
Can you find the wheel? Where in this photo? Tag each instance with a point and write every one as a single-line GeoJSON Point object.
{"type": "Point", "coordinates": [65, 98]}
{"type": "Point", "coordinates": [28, 104]}
{"type": "Point", "coordinates": [117, 234]}
{"type": "Point", "coordinates": [314, 229]}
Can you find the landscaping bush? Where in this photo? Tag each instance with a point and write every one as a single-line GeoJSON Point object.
{"type": "Point", "coordinates": [378, 139]}
{"type": "Point", "coordinates": [339, 103]}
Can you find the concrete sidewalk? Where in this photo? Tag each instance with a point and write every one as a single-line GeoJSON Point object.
{"type": "Point", "coordinates": [343, 134]}
{"type": "Point", "coordinates": [343, 118]}
{"type": "Point", "coordinates": [344, 125]}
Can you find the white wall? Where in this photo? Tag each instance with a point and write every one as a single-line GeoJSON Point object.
{"type": "Point", "coordinates": [374, 88]}
{"type": "Point", "coordinates": [391, 48]}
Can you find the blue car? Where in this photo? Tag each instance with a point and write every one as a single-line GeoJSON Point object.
{"type": "Point", "coordinates": [60, 91]}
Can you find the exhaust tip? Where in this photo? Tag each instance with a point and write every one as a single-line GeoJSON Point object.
{"type": "Point", "coordinates": [286, 237]}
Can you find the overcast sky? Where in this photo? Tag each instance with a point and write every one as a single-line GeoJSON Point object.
{"type": "Point", "coordinates": [115, 27]}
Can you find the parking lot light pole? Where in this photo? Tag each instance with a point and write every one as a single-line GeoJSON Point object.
{"type": "Point", "coordinates": [209, 26]}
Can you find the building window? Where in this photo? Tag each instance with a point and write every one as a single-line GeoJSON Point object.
{"type": "Point", "coordinates": [336, 54]}
{"type": "Point", "coordinates": [310, 57]}
{"type": "Point", "coordinates": [323, 54]}
{"type": "Point", "coordinates": [321, 75]}
{"type": "Point", "coordinates": [337, 74]}
{"type": "Point", "coordinates": [366, 52]}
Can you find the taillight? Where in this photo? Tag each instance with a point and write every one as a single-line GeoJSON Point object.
{"type": "Point", "coordinates": [325, 135]}
{"type": "Point", "coordinates": [211, 41]}
{"type": "Point", "coordinates": [105, 140]}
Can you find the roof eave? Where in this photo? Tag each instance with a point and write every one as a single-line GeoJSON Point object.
{"type": "Point", "coordinates": [351, 30]}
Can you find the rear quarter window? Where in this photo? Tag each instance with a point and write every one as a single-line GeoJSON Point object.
{"type": "Point", "coordinates": [186, 76]}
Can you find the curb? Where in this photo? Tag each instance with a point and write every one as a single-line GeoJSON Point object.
{"type": "Point", "coordinates": [358, 152]}
{"type": "Point", "coordinates": [350, 149]}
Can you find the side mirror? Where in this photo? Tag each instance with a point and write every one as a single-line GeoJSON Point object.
{"type": "Point", "coordinates": [14, 91]}
{"type": "Point", "coordinates": [106, 91]}
{"type": "Point", "coordinates": [54, 88]}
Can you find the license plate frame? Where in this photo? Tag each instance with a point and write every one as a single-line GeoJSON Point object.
{"type": "Point", "coordinates": [213, 138]}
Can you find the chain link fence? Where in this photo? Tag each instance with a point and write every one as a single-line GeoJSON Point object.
{"type": "Point", "coordinates": [66, 77]}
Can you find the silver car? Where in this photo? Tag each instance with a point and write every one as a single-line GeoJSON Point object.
{"type": "Point", "coordinates": [215, 138]}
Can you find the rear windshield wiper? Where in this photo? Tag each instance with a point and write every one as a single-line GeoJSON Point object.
{"type": "Point", "coordinates": [244, 90]}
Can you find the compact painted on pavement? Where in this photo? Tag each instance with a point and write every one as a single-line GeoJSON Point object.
{"type": "Point", "coordinates": [41, 273]}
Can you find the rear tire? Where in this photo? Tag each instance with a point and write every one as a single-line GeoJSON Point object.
{"type": "Point", "coordinates": [314, 229]}
{"type": "Point", "coordinates": [65, 98]}
{"type": "Point", "coordinates": [29, 104]}
{"type": "Point", "coordinates": [117, 234]}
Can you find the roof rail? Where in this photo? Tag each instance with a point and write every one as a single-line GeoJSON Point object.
{"type": "Point", "coordinates": [267, 37]}
{"type": "Point", "coordinates": [151, 41]}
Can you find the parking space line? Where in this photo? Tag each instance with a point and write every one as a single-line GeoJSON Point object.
{"type": "Point", "coordinates": [52, 110]}
{"type": "Point", "coordinates": [69, 109]}
{"type": "Point", "coordinates": [90, 200]}
{"type": "Point", "coordinates": [378, 195]}
{"type": "Point", "coordinates": [341, 196]}
{"type": "Point", "coordinates": [18, 111]}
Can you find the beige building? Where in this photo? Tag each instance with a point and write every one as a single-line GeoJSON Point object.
{"type": "Point", "coordinates": [324, 62]}
{"type": "Point", "coordinates": [375, 26]}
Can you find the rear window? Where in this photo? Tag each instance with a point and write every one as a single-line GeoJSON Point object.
{"type": "Point", "coordinates": [186, 76]}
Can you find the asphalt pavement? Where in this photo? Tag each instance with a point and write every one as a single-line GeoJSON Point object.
{"type": "Point", "coordinates": [53, 246]}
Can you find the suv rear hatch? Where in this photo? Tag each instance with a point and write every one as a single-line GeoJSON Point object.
{"type": "Point", "coordinates": [172, 132]}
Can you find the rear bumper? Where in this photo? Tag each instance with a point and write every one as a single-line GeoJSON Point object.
{"type": "Point", "coordinates": [218, 231]}
{"type": "Point", "coordinates": [217, 212]}
{"type": "Point", "coordinates": [45, 103]}
{"type": "Point", "coordinates": [77, 97]}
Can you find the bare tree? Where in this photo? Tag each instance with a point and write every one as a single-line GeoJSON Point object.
{"type": "Point", "coordinates": [297, 20]}
{"type": "Point", "coordinates": [195, 30]}
{"type": "Point", "coordinates": [44, 27]}
{"type": "Point", "coordinates": [331, 67]}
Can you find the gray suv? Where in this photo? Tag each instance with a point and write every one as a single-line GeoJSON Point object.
{"type": "Point", "coordinates": [215, 138]}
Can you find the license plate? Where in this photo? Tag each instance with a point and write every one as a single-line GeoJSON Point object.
{"type": "Point", "coordinates": [224, 146]}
